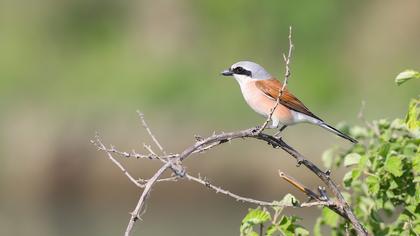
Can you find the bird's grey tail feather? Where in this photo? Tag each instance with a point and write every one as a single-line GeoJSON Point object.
{"type": "Point", "coordinates": [337, 132]}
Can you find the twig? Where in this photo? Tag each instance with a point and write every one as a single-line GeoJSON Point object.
{"type": "Point", "coordinates": [169, 179]}
{"type": "Point", "coordinates": [321, 199]}
{"type": "Point", "coordinates": [145, 126]}
{"type": "Point", "coordinates": [287, 74]}
{"type": "Point", "coordinates": [299, 186]}
{"type": "Point", "coordinates": [230, 194]}
{"type": "Point", "coordinates": [98, 143]}
{"type": "Point", "coordinates": [135, 215]}
{"type": "Point", "coordinates": [134, 154]}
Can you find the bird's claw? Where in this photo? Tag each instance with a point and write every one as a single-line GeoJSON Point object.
{"type": "Point", "coordinates": [256, 129]}
{"type": "Point", "coordinates": [277, 135]}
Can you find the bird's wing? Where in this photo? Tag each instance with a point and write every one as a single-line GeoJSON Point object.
{"type": "Point", "coordinates": [272, 87]}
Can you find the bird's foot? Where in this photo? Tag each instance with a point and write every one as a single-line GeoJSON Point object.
{"type": "Point", "coordinates": [277, 135]}
{"type": "Point", "coordinates": [256, 129]}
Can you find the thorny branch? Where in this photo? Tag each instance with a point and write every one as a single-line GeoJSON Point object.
{"type": "Point", "coordinates": [174, 162]}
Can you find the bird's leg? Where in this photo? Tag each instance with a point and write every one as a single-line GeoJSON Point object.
{"type": "Point", "coordinates": [282, 128]}
{"type": "Point", "coordinates": [277, 135]}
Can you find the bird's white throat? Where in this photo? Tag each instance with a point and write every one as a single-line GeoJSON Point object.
{"type": "Point", "coordinates": [242, 79]}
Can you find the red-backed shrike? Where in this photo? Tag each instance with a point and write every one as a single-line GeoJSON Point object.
{"type": "Point", "coordinates": [261, 90]}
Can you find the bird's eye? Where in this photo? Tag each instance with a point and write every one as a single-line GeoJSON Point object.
{"type": "Point", "coordinates": [241, 71]}
{"type": "Point", "coordinates": [238, 70]}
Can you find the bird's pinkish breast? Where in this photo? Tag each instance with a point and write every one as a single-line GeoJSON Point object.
{"type": "Point", "coordinates": [262, 104]}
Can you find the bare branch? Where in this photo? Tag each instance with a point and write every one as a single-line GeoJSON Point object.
{"type": "Point", "coordinates": [98, 143]}
{"type": "Point", "coordinates": [287, 74]}
{"type": "Point", "coordinates": [169, 179]}
{"type": "Point", "coordinates": [321, 199]}
{"type": "Point", "coordinates": [299, 186]}
{"type": "Point", "coordinates": [341, 206]}
{"type": "Point", "coordinates": [228, 193]}
{"type": "Point", "coordinates": [135, 215]}
{"type": "Point", "coordinates": [144, 124]}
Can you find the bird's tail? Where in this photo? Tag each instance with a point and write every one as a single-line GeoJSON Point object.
{"type": "Point", "coordinates": [337, 132]}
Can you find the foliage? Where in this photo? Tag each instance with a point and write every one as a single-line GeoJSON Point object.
{"type": "Point", "coordinates": [406, 75]}
{"type": "Point", "coordinates": [284, 225]}
{"type": "Point", "coordinates": [383, 179]}
{"type": "Point", "coordinates": [384, 176]}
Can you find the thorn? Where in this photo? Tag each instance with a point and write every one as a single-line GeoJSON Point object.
{"type": "Point", "coordinates": [323, 193]}
{"type": "Point", "coordinates": [299, 161]}
{"type": "Point", "coordinates": [328, 173]}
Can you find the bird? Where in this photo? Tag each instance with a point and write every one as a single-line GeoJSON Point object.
{"type": "Point", "coordinates": [260, 90]}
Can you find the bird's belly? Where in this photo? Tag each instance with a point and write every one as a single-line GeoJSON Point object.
{"type": "Point", "coordinates": [263, 105]}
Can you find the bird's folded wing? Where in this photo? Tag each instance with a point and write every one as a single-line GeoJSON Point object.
{"type": "Point", "coordinates": [272, 89]}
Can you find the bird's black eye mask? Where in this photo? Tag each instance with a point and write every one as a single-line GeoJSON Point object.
{"type": "Point", "coordinates": [241, 71]}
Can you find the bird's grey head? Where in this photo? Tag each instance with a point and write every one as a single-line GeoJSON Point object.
{"type": "Point", "coordinates": [247, 70]}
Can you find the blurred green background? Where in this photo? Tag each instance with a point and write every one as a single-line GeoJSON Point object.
{"type": "Point", "coordinates": [72, 67]}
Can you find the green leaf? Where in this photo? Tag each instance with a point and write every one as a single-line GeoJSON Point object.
{"type": "Point", "coordinates": [284, 226]}
{"type": "Point", "coordinates": [348, 179]}
{"type": "Point", "coordinates": [357, 131]}
{"type": "Point", "coordinates": [416, 163]}
{"type": "Point", "coordinates": [346, 196]}
{"type": "Point", "coordinates": [301, 231]}
{"type": "Point", "coordinates": [363, 162]}
{"type": "Point", "coordinates": [410, 150]}
{"type": "Point", "coordinates": [398, 124]}
{"type": "Point", "coordinates": [254, 217]}
{"type": "Point", "coordinates": [289, 200]}
{"type": "Point", "coordinates": [351, 159]}
{"type": "Point", "coordinates": [271, 230]}
{"type": "Point", "coordinates": [384, 149]}
{"type": "Point", "coordinates": [406, 76]}
{"type": "Point", "coordinates": [355, 174]}
{"type": "Point", "coordinates": [330, 218]}
{"type": "Point", "coordinates": [373, 184]}
{"type": "Point", "coordinates": [393, 164]}
{"type": "Point", "coordinates": [317, 227]}
{"type": "Point", "coordinates": [412, 119]}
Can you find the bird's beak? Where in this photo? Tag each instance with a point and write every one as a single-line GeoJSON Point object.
{"type": "Point", "coordinates": [227, 73]}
